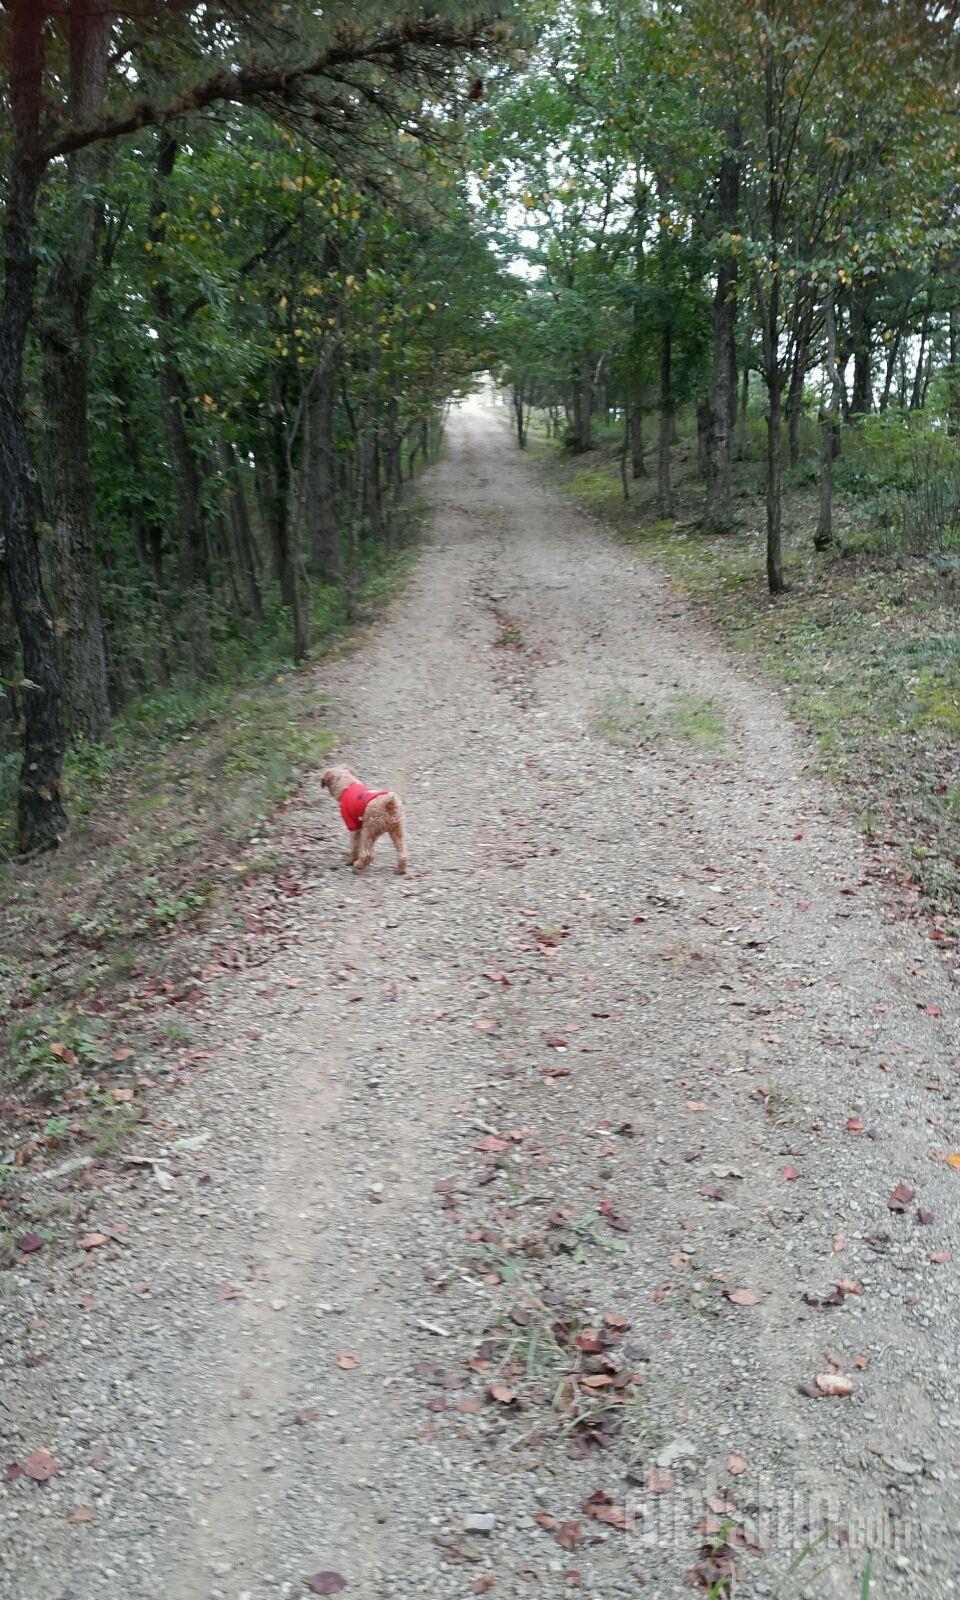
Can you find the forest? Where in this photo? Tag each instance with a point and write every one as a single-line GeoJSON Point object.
{"type": "Point", "coordinates": [248, 259]}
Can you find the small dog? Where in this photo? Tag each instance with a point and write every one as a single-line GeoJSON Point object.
{"type": "Point", "coordinates": [367, 813]}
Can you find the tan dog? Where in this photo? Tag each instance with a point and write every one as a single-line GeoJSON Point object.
{"type": "Point", "coordinates": [367, 814]}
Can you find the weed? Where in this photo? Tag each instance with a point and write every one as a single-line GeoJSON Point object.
{"type": "Point", "coordinates": [622, 719]}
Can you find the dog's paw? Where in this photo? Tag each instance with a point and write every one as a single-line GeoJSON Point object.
{"type": "Point", "coordinates": [401, 867]}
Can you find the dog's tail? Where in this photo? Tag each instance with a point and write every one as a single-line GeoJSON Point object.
{"type": "Point", "coordinates": [392, 807]}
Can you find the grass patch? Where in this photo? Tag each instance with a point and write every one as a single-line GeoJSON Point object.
{"type": "Point", "coordinates": [865, 644]}
{"type": "Point", "coordinates": [696, 719]}
{"type": "Point", "coordinates": [623, 720]}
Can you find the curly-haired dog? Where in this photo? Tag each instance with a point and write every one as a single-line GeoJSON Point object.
{"type": "Point", "coordinates": [367, 813]}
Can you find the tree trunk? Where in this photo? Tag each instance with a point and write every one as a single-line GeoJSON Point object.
{"type": "Point", "coordinates": [861, 397]}
{"type": "Point", "coordinates": [891, 366]}
{"type": "Point", "coordinates": [718, 512]}
{"type": "Point", "coordinates": [917, 393]}
{"type": "Point", "coordinates": [798, 376]}
{"type": "Point", "coordinates": [284, 523]}
{"type": "Point", "coordinates": [953, 378]}
{"type": "Point", "coordinates": [41, 815]}
{"type": "Point", "coordinates": [704, 438]}
{"type": "Point", "coordinates": [664, 487]}
{"type": "Point", "coordinates": [829, 434]}
{"type": "Point", "coordinates": [65, 352]}
{"type": "Point", "coordinates": [192, 566]}
{"type": "Point", "coordinates": [744, 406]}
{"type": "Point", "coordinates": [324, 516]}
{"type": "Point", "coordinates": [516, 395]}
{"type": "Point", "coordinates": [774, 445]}
{"type": "Point", "coordinates": [242, 531]}
{"type": "Point", "coordinates": [638, 465]}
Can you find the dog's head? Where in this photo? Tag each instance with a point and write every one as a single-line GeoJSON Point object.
{"type": "Point", "coordinates": [336, 779]}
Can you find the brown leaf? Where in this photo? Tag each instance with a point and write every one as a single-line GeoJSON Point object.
{"type": "Point", "coordinates": [659, 1481]}
{"type": "Point", "coordinates": [941, 1258]}
{"type": "Point", "coordinates": [81, 1514]}
{"type": "Point", "coordinates": [900, 1198]}
{"type": "Point", "coordinates": [226, 1291]}
{"type": "Point", "coordinates": [28, 1243]}
{"type": "Point", "coordinates": [347, 1360]}
{"type": "Point", "coordinates": [568, 1535]}
{"type": "Point", "coordinates": [93, 1241]}
{"type": "Point", "coordinates": [503, 1397]}
{"type": "Point", "coordinates": [789, 1173]}
{"type": "Point", "coordinates": [545, 1520]}
{"type": "Point", "coordinates": [481, 1585]}
{"type": "Point", "coordinates": [599, 1506]}
{"type": "Point", "coordinates": [744, 1297]}
{"type": "Point", "coordinates": [326, 1583]}
{"type": "Point", "coordinates": [40, 1465]}
{"type": "Point", "coordinates": [98, 1456]}
{"type": "Point", "coordinates": [735, 1465]}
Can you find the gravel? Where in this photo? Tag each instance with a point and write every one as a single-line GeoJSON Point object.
{"type": "Point", "coordinates": [632, 984]}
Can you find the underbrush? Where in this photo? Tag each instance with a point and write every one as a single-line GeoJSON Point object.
{"type": "Point", "coordinates": [866, 641]}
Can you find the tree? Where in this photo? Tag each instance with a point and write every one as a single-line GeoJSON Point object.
{"type": "Point", "coordinates": [341, 78]}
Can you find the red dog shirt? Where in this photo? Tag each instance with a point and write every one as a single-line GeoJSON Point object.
{"type": "Point", "coordinates": [354, 801]}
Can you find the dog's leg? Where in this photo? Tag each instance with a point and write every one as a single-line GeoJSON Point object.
{"type": "Point", "coordinates": [366, 839]}
{"type": "Point", "coordinates": [354, 849]}
{"type": "Point", "coordinates": [399, 838]}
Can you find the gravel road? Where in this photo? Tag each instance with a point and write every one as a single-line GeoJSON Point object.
{"type": "Point", "coordinates": [495, 1244]}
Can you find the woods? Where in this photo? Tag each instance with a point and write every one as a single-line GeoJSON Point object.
{"type": "Point", "coordinates": [753, 201]}
{"type": "Point", "coordinates": [247, 261]}
{"type": "Point", "coordinates": [238, 290]}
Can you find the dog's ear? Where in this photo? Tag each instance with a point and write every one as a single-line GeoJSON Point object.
{"type": "Point", "coordinates": [326, 778]}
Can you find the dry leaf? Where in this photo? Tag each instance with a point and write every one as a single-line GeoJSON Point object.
{"type": "Point", "coordinates": [81, 1514]}
{"type": "Point", "coordinates": [744, 1297]}
{"type": "Point", "coordinates": [40, 1465]}
{"type": "Point", "coordinates": [735, 1465]}
{"type": "Point", "coordinates": [659, 1481]}
{"type": "Point", "coordinates": [347, 1360]}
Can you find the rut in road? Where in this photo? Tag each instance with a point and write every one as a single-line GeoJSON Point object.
{"type": "Point", "coordinates": [532, 1176]}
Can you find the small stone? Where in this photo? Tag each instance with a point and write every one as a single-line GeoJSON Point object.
{"type": "Point", "coordinates": [479, 1522]}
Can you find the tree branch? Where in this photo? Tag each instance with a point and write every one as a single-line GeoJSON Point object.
{"type": "Point", "coordinates": [249, 84]}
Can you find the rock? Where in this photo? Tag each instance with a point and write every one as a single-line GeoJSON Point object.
{"type": "Point", "coordinates": [479, 1522]}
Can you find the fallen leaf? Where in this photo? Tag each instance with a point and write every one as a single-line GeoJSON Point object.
{"type": "Point", "coordinates": [347, 1360]}
{"type": "Point", "coordinates": [599, 1506]}
{"type": "Point", "coordinates": [226, 1291]}
{"type": "Point", "coordinates": [93, 1241]}
{"type": "Point", "coordinates": [789, 1173]}
{"type": "Point", "coordinates": [941, 1258]}
{"type": "Point", "coordinates": [40, 1465]}
{"type": "Point", "coordinates": [81, 1514]}
{"type": "Point", "coordinates": [504, 1397]}
{"type": "Point", "coordinates": [659, 1481]}
{"type": "Point", "coordinates": [28, 1243]}
{"type": "Point", "coordinates": [953, 1161]}
{"type": "Point", "coordinates": [900, 1198]}
{"type": "Point", "coordinates": [744, 1297]}
{"type": "Point", "coordinates": [568, 1535]}
{"type": "Point", "coordinates": [326, 1583]}
{"type": "Point", "coordinates": [735, 1465]}
{"type": "Point", "coordinates": [481, 1585]}
{"type": "Point", "coordinates": [834, 1383]}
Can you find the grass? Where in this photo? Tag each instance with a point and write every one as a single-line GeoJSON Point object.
{"type": "Point", "coordinates": [865, 644]}
{"type": "Point", "coordinates": [167, 821]}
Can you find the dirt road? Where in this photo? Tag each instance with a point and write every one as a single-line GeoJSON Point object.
{"type": "Point", "coordinates": [635, 1049]}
